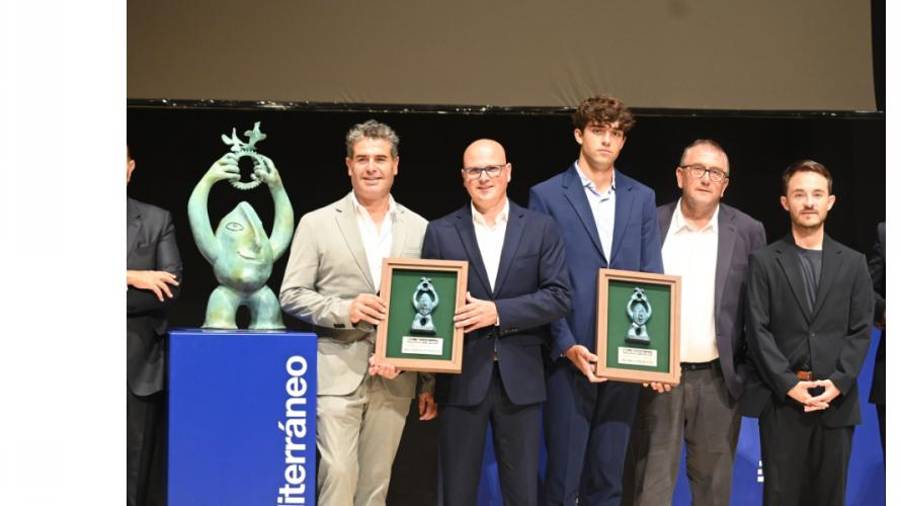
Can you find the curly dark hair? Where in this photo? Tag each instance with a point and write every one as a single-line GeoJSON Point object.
{"type": "Point", "coordinates": [602, 109]}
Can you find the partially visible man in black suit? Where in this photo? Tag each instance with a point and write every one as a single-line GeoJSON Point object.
{"type": "Point", "coordinates": [708, 244]}
{"type": "Point", "coordinates": [518, 284]}
{"type": "Point", "coordinates": [876, 270]}
{"type": "Point", "coordinates": [154, 274]}
{"type": "Point", "coordinates": [809, 312]}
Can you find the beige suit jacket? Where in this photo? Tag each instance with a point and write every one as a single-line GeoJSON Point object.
{"type": "Point", "coordinates": [327, 268]}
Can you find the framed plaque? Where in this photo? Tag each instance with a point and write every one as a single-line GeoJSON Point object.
{"type": "Point", "coordinates": [638, 322]}
{"type": "Point", "coordinates": [422, 296]}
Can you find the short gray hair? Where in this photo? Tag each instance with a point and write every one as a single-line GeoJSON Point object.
{"type": "Point", "coordinates": [372, 130]}
{"type": "Point", "coordinates": [706, 142]}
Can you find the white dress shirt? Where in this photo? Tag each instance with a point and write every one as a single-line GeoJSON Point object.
{"type": "Point", "coordinates": [376, 240]}
{"type": "Point", "coordinates": [692, 254]}
{"type": "Point", "coordinates": [603, 207]}
{"type": "Point", "coordinates": [490, 240]}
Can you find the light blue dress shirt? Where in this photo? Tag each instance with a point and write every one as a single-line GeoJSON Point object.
{"type": "Point", "coordinates": [603, 207]}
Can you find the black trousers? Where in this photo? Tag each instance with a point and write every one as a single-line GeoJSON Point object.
{"type": "Point", "coordinates": [146, 449]}
{"type": "Point", "coordinates": [516, 431]}
{"type": "Point", "coordinates": [804, 462]}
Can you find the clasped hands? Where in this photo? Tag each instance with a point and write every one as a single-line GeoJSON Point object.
{"type": "Point", "coordinates": [800, 393]}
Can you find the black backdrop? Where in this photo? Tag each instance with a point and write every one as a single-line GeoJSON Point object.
{"type": "Point", "coordinates": [174, 146]}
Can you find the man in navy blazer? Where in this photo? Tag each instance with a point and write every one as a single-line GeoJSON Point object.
{"type": "Point", "coordinates": [518, 284]}
{"type": "Point", "coordinates": [607, 220]}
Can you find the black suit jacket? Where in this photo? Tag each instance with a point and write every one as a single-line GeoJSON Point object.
{"type": "Point", "coordinates": [739, 235]}
{"type": "Point", "coordinates": [779, 322]}
{"type": "Point", "coordinates": [151, 246]}
{"type": "Point", "coordinates": [876, 270]}
{"type": "Point", "coordinates": [531, 290]}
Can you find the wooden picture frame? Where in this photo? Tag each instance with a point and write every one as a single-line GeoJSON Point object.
{"type": "Point", "coordinates": [410, 340]}
{"type": "Point", "coordinates": [632, 346]}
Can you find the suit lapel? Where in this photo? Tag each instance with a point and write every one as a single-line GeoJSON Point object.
{"type": "Point", "coordinates": [346, 223]}
{"type": "Point", "coordinates": [466, 231]}
{"type": "Point", "coordinates": [398, 232]}
{"type": "Point", "coordinates": [727, 237]}
{"type": "Point", "coordinates": [134, 225]}
{"type": "Point", "coordinates": [624, 203]}
{"type": "Point", "coordinates": [790, 264]}
{"type": "Point", "coordinates": [832, 263]}
{"type": "Point", "coordinates": [574, 192]}
{"type": "Point", "coordinates": [514, 227]}
{"type": "Point", "coordinates": [664, 216]}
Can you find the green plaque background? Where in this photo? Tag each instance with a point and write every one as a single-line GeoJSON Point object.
{"type": "Point", "coordinates": [403, 284]}
{"type": "Point", "coordinates": [660, 297]}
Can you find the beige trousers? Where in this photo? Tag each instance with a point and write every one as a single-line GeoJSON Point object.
{"type": "Point", "coordinates": [357, 436]}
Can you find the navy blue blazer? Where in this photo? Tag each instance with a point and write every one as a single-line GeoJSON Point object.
{"type": "Point", "coordinates": [531, 290]}
{"type": "Point", "coordinates": [636, 246]}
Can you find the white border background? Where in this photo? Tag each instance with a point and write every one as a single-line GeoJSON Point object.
{"type": "Point", "coordinates": [62, 287]}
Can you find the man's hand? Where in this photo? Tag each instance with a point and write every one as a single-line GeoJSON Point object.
{"type": "Point", "coordinates": [475, 314]}
{"type": "Point", "coordinates": [823, 399]}
{"type": "Point", "coordinates": [584, 360]}
{"type": "Point", "coordinates": [659, 388]}
{"type": "Point", "coordinates": [384, 369]}
{"type": "Point", "coordinates": [427, 406]}
{"type": "Point", "coordinates": [800, 393]}
{"type": "Point", "coordinates": [367, 307]}
{"type": "Point", "coordinates": [267, 173]}
{"type": "Point", "coordinates": [156, 281]}
{"type": "Point", "coordinates": [225, 168]}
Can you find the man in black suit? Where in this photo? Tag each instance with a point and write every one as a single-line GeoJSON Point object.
{"type": "Point", "coordinates": [809, 312]}
{"type": "Point", "coordinates": [876, 270]}
{"type": "Point", "coordinates": [708, 244]}
{"type": "Point", "coordinates": [154, 274]}
{"type": "Point", "coordinates": [518, 284]}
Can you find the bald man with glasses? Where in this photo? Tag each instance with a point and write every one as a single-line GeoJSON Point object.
{"type": "Point", "coordinates": [518, 284]}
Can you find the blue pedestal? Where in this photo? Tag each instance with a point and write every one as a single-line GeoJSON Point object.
{"type": "Point", "coordinates": [242, 414]}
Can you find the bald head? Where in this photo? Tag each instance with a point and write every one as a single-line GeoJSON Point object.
{"type": "Point", "coordinates": [485, 175]}
{"type": "Point", "coordinates": [484, 150]}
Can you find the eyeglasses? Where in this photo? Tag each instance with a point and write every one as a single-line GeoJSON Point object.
{"type": "Point", "coordinates": [716, 174]}
{"type": "Point", "coordinates": [490, 170]}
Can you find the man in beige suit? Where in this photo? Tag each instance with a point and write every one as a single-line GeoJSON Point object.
{"type": "Point", "coordinates": [331, 281]}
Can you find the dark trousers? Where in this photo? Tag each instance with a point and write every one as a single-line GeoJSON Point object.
{"type": "Point", "coordinates": [804, 462]}
{"type": "Point", "coordinates": [145, 447]}
{"type": "Point", "coordinates": [586, 429]}
{"type": "Point", "coordinates": [700, 412]}
{"type": "Point", "coordinates": [517, 433]}
{"type": "Point", "coordinates": [881, 426]}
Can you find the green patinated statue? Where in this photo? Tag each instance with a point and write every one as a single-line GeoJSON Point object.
{"type": "Point", "coordinates": [240, 251]}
